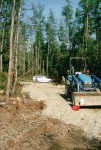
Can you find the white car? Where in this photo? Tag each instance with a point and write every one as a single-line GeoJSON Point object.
{"type": "Point", "coordinates": [41, 79]}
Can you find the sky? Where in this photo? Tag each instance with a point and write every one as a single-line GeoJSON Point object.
{"type": "Point", "coordinates": [55, 5]}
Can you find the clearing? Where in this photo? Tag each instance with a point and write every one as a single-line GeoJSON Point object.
{"type": "Point", "coordinates": [46, 121]}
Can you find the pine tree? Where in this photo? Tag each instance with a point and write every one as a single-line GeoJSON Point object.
{"type": "Point", "coordinates": [10, 75]}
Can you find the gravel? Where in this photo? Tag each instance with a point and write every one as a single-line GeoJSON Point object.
{"type": "Point", "coordinates": [59, 108]}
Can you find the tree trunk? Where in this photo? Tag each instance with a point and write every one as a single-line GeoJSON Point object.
{"type": "Point", "coordinates": [32, 60]}
{"type": "Point", "coordinates": [9, 86]}
{"type": "Point", "coordinates": [38, 57]}
{"type": "Point", "coordinates": [24, 65]}
{"type": "Point", "coordinates": [16, 47]}
{"type": "Point", "coordinates": [86, 27]}
{"type": "Point", "coordinates": [97, 43]}
{"type": "Point", "coordinates": [28, 59]}
{"type": "Point", "coordinates": [2, 42]}
{"type": "Point", "coordinates": [1, 48]}
{"type": "Point", "coordinates": [1, 6]}
{"type": "Point", "coordinates": [43, 72]}
{"type": "Point", "coordinates": [47, 59]}
{"type": "Point", "coordinates": [36, 60]}
{"type": "Point", "coordinates": [15, 60]}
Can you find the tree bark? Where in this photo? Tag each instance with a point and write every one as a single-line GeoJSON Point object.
{"type": "Point", "coordinates": [38, 57]}
{"type": "Point", "coordinates": [16, 47]}
{"type": "Point", "coordinates": [32, 60]}
{"type": "Point", "coordinates": [24, 65]}
{"type": "Point", "coordinates": [36, 60]}
{"type": "Point", "coordinates": [1, 48]}
{"type": "Point", "coordinates": [86, 27]}
{"type": "Point", "coordinates": [47, 59]}
{"type": "Point", "coordinates": [9, 86]}
{"type": "Point", "coordinates": [28, 59]}
{"type": "Point", "coordinates": [43, 72]}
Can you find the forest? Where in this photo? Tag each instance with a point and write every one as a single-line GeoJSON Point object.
{"type": "Point", "coordinates": [38, 45]}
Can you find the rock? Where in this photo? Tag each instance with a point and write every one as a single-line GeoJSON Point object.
{"type": "Point", "coordinates": [14, 102]}
{"type": "Point", "coordinates": [1, 92]}
{"type": "Point", "coordinates": [19, 99]}
{"type": "Point", "coordinates": [2, 103]}
{"type": "Point", "coordinates": [12, 99]}
{"type": "Point", "coordinates": [19, 103]}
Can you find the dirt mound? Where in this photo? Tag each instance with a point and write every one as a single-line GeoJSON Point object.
{"type": "Point", "coordinates": [28, 129]}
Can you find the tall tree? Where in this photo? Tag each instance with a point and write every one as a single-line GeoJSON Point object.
{"type": "Point", "coordinates": [22, 50]}
{"type": "Point", "coordinates": [62, 33]}
{"type": "Point", "coordinates": [95, 14]}
{"type": "Point", "coordinates": [9, 83]}
{"type": "Point", "coordinates": [16, 40]}
{"type": "Point", "coordinates": [50, 38]}
{"type": "Point", "coordinates": [67, 12]}
{"type": "Point", "coordinates": [38, 25]}
{"type": "Point", "coordinates": [4, 13]}
{"type": "Point", "coordinates": [85, 10]}
{"type": "Point", "coordinates": [87, 34]}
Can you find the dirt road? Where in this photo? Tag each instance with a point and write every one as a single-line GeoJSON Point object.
{"type": "Point", "coordinates": [57, 107]}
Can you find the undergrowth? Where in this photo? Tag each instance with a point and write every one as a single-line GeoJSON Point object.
{"type": "Point", "coordinates": [3, 80]}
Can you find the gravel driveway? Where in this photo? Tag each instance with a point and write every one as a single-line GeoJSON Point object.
{"type": "Point", "coordinates": [57, 107]}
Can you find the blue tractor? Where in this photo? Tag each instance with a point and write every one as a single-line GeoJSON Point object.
{"type": "Point", "coordinates": [83, 89]}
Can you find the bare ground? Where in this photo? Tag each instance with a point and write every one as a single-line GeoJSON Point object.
{"type": "Point", "coordinates": [45, 124]}
{"type": "Point", "coordinates": [57, 107]}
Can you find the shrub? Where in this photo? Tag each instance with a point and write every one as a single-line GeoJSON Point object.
{"type": "Point", "coordinates": [3, 80]}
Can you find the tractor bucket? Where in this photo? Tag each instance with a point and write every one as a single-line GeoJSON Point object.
{"type": "Point", "coordinates": [86, 98]}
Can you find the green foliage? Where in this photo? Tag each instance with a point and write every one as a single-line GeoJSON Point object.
{"type": "Point", "coordinates": [88, 32]}
{"type": "Point", "coordinates": [67, 12]}
{"type": "Point", "coordinates": [3, 80]}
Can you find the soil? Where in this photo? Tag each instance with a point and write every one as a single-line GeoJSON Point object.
{"type": "Point", "coordinates": [40, 122]}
